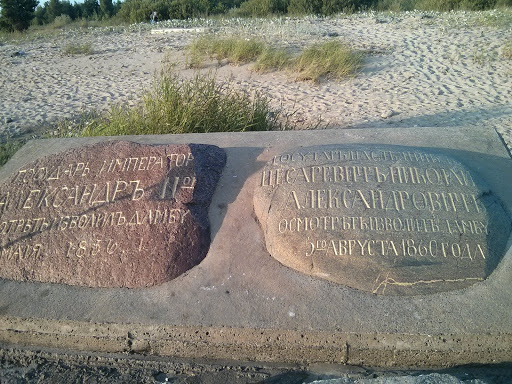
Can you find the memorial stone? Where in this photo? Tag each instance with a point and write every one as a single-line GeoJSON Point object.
{"type": "Point", "coordinates": [114, 214]}
{"type": "Point", "coordinates": [383, 219]}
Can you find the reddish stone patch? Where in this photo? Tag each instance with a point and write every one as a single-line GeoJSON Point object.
{"type": "Point", "coordinates": [114, 214]}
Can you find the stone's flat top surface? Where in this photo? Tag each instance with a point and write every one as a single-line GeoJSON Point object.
{"type": "Point", "coordinates": [239, 285]}
{"type": "Point", "coordinates": [112, 214]}
{"type": "Point", "coordinates": [380, 218]}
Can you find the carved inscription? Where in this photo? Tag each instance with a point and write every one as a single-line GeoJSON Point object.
{"type": "Point", "coordinates": [384, 219]}
{"type": "Point", "coordinates": [114, 214]}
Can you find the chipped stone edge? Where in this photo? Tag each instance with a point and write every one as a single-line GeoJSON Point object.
{"type": "Point", "coordinates": [265, 345]}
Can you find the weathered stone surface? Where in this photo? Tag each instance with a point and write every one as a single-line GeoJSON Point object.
{"type": "Point", "coordinates": [115, 214]}
{"type": "Point", "coordinates": [383, 219]}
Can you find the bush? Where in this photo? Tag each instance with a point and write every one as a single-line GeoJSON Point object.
{"type": "Point", "coordinates": [61, 21]}
{"type": "Point", "coordinates": [396, 5]}
{"type": "Point", "coordinates": [262, 8]}
{"type": "Point", "coordinates": [305, 7]}
{"type": "Point", "coordinates": [330, 7]}
{"type": "Point", "coordinates": [448, 5]}
{"type": "Point", "coordinates": [136, 11]}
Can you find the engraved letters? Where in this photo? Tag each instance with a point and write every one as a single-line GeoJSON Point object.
{"type": "Point", "coordinates": [100, 214]}
{"type": "Point", "coordinates": [351, 214]}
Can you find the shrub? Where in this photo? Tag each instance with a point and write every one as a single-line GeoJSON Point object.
{"type": "Point", "coordinates": [262, 8]}
{"type": "Point", "coordinates": [305, 7]}
{"type": "Point", "coordinates": [448, 5]}
{"type": "Point", "coordinates": [61, 21]}
{"type": "Point", "coordinates": [332, 59]}
{"type": "Point", "coordinates": [396, 5]}
{"type": "Point", "coordinates": [330, 7]}
{"type": "Point", "coordinates": [503, 3]}
{"type": "Point", "coordinates": [136, 11]}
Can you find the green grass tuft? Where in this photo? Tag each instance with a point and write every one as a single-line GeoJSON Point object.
{"type": "Point", "coordinates": [78, 49]}
{"type": "Point", "coordinates": [273, 59]}
{"type": "Point", "coordinates": [7, 150]}
{"type": "Point", "coordinates": [234, 50]}
{"type": "Point", "coordinates": [331, 59]}
{"type": "Point", "coordinates": [175, 106]}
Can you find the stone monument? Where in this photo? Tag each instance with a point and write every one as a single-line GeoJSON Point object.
{"type": "Point", "coordinates": [383, 219]}
{"type": "Point", "coordinates": [114, 214]}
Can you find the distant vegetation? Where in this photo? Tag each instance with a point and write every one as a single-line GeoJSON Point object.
{"type": "Point", "coordinates": [20, 14]}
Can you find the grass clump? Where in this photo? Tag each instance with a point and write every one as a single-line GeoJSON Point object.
{"type": "Point", "coordinates": [507, 50]}
{"type": "Point", "coordinates": [273, 59]}
{"type": "Point", "coordinates": [234, 50]}
{"type": "Point", "coordinates": [78, 49]}
{"type": "Point", "coordinates": [176, 105]}
{"type": "Point", "coordinates": [332, 59]}
{"type": "Point", "coordinates": [7, 150]}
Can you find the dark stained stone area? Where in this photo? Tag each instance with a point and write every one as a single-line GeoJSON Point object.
{"type": "Point", "coordinates": [113, 214]}
{"type": "Point", "coordinates": [384, 219]}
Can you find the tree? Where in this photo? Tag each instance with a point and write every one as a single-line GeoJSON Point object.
{"type": "Point", "coordinates": [53, 9]}
{"type": "Point", "coordinates": [106, 8]}
{"type": "Point", "coordinates": [40, 15]}
{"type": "Point", "coordinates": [17, 14]}
{"type": "Point", "coordinates": [90, 9]}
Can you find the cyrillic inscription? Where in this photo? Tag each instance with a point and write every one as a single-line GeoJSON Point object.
{"type": "Point", "coordinates": [384, 219]}
{"type": "Point", "coordinates": [114, 214]}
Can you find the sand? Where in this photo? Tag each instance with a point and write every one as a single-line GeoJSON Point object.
{"type": "Point", "coordinates": [419, 70]}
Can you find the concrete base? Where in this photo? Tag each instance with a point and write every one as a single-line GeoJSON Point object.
{"type": "Point", "coordinates": [240, 303]}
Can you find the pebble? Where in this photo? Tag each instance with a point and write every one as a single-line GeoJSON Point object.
{"type": "Point", "coordinates": [387, 114]}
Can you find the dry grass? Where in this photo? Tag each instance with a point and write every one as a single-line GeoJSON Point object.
{"type": "Point", "coordinates": [176, 105]}
{"type": "Point", "coordinates": [332, 59]}
{"type": "Point", "coordinates": [507, 50]}
{"type": "Point", "coordinates": [234, 50]}
{"type": "Point", "coordinates": [78, 49]}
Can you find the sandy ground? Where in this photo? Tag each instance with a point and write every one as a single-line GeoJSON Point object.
{"type": "Point", "coordinates": [30, 366]}
{"type": "Point", "coordinates": [420, 70]}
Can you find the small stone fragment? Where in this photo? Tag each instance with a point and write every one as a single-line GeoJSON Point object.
{"type": "Point", "coordinates": [387, 114]}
